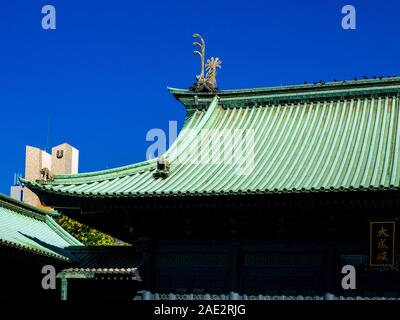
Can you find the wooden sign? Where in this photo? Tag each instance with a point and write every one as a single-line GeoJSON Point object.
{"type": "Point", "coordinates": [382, 244]}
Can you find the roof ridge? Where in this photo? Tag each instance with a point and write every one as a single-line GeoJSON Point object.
{"type": "Point", "coordinates": [135, 167]}
{"type": "Point", "coordinates": [16, 211]}
{"type": "Point", "coordinates": [342, 83]}
{"type": "Point", "coordinates": [288, 94]}
{"type": "Point", "coordinates": [62, 232]}
{"type": "Point", "coordinates": [192, 135]}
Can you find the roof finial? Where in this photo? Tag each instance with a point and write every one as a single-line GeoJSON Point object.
{"type": "Point", "coordinates": [201, 53]}
{"type": "Point", "coordinates": [209, 82]}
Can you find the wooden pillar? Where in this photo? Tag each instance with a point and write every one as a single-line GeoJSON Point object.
{"type": "Point", "coordinates": [234, 272]}
{"type": "Point", "coordinates": [145, 246]}
{"type": "Point", "coordinates": [64, 288]}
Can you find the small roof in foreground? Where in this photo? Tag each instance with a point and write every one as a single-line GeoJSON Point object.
{"type": "Point", "coordinates": [108, 260]}
{"type": "Point", "coordinates": [309, 138]}
{"type": "Point", "coordinates": [106, 257]}
{"type": "Point", "coordinates": [25, 227]}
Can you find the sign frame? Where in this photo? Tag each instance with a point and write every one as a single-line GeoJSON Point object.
{"type": "Point", "coordinates": [384, 266]}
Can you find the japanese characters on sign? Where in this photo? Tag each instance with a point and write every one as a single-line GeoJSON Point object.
{"type": "Point", "coordinates": [382, 244]}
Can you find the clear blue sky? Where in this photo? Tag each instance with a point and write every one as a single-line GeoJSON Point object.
{"type": "Point", "coordinates": [101, 76]}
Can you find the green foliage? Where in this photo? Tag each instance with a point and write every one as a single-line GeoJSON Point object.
{"type": "Point", "coordinates": [85, 234]}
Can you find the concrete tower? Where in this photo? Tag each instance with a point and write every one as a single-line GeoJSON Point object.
{"type": "Point", "coordinates": [35, 160]}
{"type": "Point", "coordinates": [64, 159]}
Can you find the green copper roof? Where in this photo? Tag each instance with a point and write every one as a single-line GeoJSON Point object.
{"type": "Point", "coordinates": [309, 138]}
{"type": "Point", "coordinates": [27, 228]}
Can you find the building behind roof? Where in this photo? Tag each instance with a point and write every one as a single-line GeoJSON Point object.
{"type": "Point", "coordinates": [17, 189]}
{"type": "Point", "coordinates": [64, 159]}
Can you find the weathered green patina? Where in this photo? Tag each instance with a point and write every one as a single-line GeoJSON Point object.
{"type": "Point", "coordinates": [342, 136]}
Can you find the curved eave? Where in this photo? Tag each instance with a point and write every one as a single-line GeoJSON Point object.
{"type": "Point", "coordinates": [102, 174]}
{"type": "Point", "coordinates": [34, 251]}
{"type": "Point", "coordinates": [43, 189]}
{"type": "Point", "coordinates": [28, 228]}
{"type": "Point", "coordinates": [25, 208]}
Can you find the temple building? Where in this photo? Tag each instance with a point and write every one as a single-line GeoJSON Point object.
{"type": "Point", "coordinates": [266, 193]}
